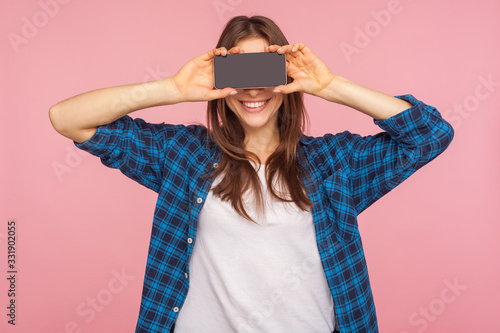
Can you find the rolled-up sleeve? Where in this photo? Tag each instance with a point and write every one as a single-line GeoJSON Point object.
{"type": "Point", "coordinates": [135, 147]}
{"type": "Point", "coordinates": [411, 139]}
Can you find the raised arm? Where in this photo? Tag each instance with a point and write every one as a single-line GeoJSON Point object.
{"type": "Point", "coordinates": [414, 132]}
{"type": "Point", "coordinates": [78, 117]}
{"type": "Point", "coordinates": [312, 76]}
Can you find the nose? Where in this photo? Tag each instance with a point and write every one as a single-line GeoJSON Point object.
{"type": "Point", "coordinates": [253, 92]}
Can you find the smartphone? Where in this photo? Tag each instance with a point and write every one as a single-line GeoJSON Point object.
{"type": "Point", "coordinates": [250, 70]}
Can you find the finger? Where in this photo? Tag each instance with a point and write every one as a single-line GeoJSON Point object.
{"type": "Point", "coordinates": [210, 54]}
{"type": "Point", "coordinates": [272, 48]}
{"type": "Point", "coordinates": [288, 88]}
{"type": "Point", "coordinates": [234, 49]}
{"type": "Point", "coordinates": [214, 52]}
{"type": "Point", "coordinates": [223, 51]}
{"type": "Point", "coordinates": [299, 48]}
{"type": "Point", "coordinates": [294, 50]}
{"type": "Point", "coordinates": [220, 93]}
{"type": "Point", "coordinates": [283, 49]}
{"type": "Point", "coordinates": [287, 51]}
{"type": "Point", "coordinates": [290, 57]}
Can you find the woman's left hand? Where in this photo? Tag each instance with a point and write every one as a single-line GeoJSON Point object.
{"type": "Point", "coordinates": [309, 73]}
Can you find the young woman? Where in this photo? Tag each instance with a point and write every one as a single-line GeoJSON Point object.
{"type": "Point", "coordinates": [255, 225]}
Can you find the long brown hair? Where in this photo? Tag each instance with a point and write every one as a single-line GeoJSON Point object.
{"type": "Point", "coordinates": [227, 132]}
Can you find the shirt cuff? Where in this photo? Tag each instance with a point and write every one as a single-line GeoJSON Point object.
{"type": "Point", "coordinates": [419, 120]}
{"type": "Point", "coordinates": [100, 143]}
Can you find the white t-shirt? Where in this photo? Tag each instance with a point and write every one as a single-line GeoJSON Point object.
{"type": "Point", "coordinates": [246, 277]}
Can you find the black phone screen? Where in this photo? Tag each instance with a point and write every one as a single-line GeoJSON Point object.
{"type": "Point", "coordinates": [250, 70]}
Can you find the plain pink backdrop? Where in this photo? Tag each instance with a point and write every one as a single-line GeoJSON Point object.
{"type": "Point", "coordinates": [80, 229]}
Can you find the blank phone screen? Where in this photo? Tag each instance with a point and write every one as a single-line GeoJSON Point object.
{"type": "Point", "coordinates": [250, 70]}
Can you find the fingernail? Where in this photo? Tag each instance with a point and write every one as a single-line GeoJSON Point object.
{"type": "Point", "coordinates": [293, 49]}
{"type": "Point", "coordinates": [278, 49]}
{"type": "Point", "coordinates": [277, 90]}
{"type": "Point", "coordinates": [233, 93]}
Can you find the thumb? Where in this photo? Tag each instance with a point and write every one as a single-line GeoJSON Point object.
{"type": "Point", "coordinates": [220, 93]}
{"type": "Point", "coordinates": [289, 88]}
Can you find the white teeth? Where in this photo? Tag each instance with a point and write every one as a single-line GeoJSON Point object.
{"type": "Point", "coordinates": [254, 105]}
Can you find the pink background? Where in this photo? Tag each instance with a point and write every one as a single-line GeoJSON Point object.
{"type": "Point", "coordinates": [78, 229]}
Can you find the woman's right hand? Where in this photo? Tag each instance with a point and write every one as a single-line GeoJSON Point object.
{"type": "Point", "coordinates": [194, 82]}
{"type": "Point", "coordinates": [79, 116]}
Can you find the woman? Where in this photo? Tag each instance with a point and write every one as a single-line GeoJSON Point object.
{"type": "Point", "coordinates": [256, 219]}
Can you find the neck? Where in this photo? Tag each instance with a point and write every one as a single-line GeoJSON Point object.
{"type": "Point", "coordinates": [262, 142]}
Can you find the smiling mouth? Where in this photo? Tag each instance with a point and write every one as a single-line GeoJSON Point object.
{"type": "Point", "coordinates": [255, 104]}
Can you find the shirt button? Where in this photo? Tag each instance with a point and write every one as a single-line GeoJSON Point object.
{"type": "Point", "coordinates": [176, 309]}
{"type": "Point", "coordinates": [190, 240]}
{"type": "Point", "coordinates": [199, 200]}
{"type": "Point", "coordinates": [186, 275]}
{"type": "Point", "coordinates": [216, 165]}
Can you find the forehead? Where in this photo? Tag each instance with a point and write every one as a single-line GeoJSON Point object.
{"type": "Point", "coordinates": [253, 44]}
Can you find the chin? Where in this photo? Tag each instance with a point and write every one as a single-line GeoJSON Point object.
{"type": "Point", "coordinates": [261, 119]}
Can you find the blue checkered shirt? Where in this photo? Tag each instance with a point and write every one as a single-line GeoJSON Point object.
{"type": "Point", "coordinates": [348, 173]}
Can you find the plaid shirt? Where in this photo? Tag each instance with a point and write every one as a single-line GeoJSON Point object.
{"type": "Point", "coordinates": [348, 173]}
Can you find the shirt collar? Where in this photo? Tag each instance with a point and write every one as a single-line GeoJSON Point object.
{"type": "Point", "coordinates": [305, 139]}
